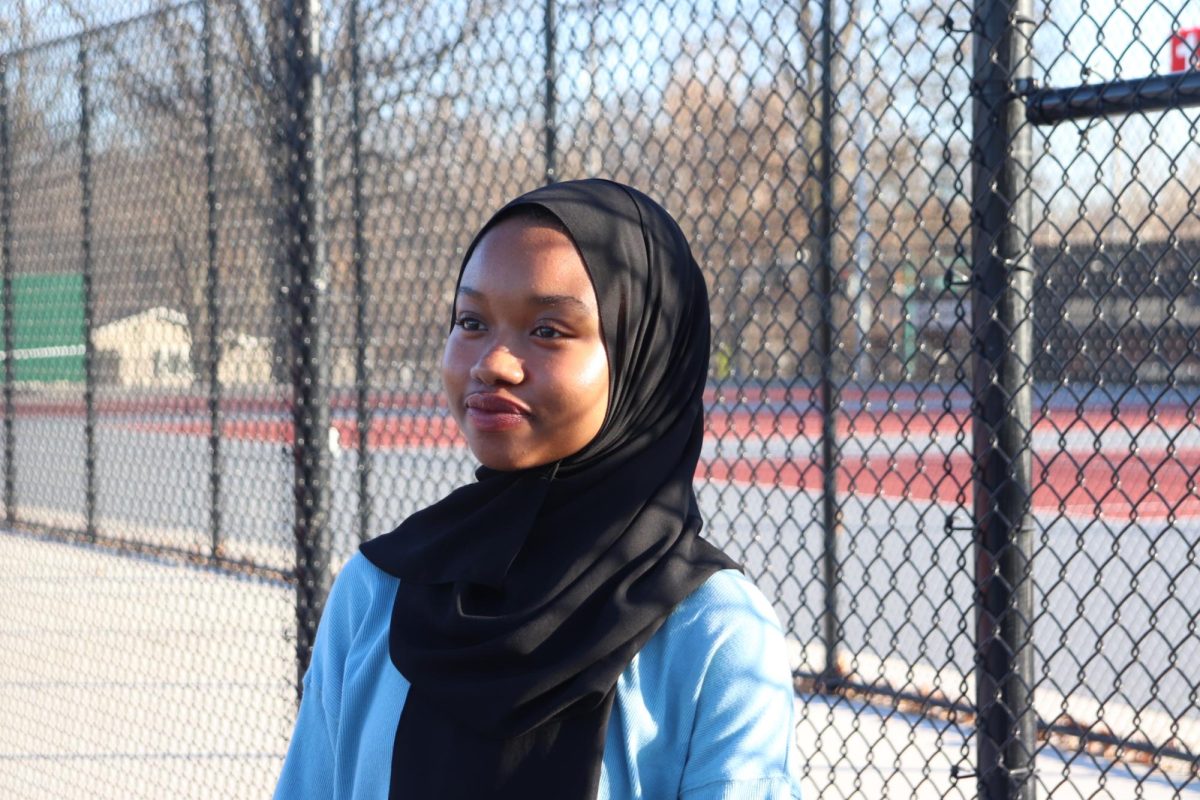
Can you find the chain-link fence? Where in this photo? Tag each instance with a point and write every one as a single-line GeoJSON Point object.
{"type": "Point", "coordinates": [954, 261]}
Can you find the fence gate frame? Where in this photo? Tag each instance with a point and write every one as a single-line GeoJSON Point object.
{"type": "Point", "coordinates": [1007, 103]}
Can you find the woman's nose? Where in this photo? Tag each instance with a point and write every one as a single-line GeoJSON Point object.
{"type": "Point", "coordinates": [498, 365]}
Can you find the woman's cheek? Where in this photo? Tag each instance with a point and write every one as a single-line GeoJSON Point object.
{"type": "Point", "coordinates": [589, 379]}
{"type": "Point", "coordinates": [455, 372]}
{"type": "Point", "coordinates": [595, 369]}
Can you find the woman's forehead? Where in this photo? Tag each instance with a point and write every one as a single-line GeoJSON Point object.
{"type": "Point", "coordinates": [523, 258]}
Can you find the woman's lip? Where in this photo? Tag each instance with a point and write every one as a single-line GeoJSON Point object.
{"type": "Point", "coordinates": [487, 421]}
{"type": "Point", "coordinates": [489, 412]}
{"type": "Point", "coordinates": [494, 404]}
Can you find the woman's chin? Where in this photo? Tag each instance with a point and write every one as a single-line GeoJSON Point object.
{"type": "Point", "coordinates": [501, 459]}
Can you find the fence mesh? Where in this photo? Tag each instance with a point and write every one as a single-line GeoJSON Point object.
{"type": "Point", "coordinates": [160, 571]}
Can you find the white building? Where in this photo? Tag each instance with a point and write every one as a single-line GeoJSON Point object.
{"type": "Point", "coordinates": [153, 348]}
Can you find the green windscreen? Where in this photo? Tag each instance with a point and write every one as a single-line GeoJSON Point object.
{"type": "Point", "coordinates": [48, 328]}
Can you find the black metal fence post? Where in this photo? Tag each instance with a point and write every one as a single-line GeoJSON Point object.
{"type": "Point", "coordinates": [211, 292]}
{"type": "Point", "coordinates": [828, 389]}
{"type": "Point", "coordinates": [1001, 223]}
{"type": "Point", "coordinates": [305, 256]}
{"type": "Point", "coordinates": [89, 382]}
{"type": "Point", "coordinates": [10, 449]}
{"type": "Point", "coordinates": [359, 257]}
{"type": "Point", "coordinates": [551, 111]}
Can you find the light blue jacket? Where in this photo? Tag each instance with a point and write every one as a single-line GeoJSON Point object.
{"type": "Point", "coordinates": [704, 712]}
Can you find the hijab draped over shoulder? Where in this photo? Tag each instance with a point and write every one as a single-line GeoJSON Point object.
{"type": "Point", "coordinates": [523, 596]}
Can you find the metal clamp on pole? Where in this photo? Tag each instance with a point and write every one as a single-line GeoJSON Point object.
{"type": "Point", "coordinates": [958, 773]}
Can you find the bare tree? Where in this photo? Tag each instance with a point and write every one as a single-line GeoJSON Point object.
{"type": "Point", "coordinates": [148, 78]}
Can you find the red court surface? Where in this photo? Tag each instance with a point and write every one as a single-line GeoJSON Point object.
{"type": "Point", "coordinates": [1139, 465]}
{"type": "Point", "coordinates": [1097, 487]}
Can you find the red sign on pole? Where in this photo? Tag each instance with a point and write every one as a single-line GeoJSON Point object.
{"type": "Point", "coordinates": [1185, 50]}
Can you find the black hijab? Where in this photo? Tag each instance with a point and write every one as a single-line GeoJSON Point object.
{"type": "Point", "coordinates": [525, 595]}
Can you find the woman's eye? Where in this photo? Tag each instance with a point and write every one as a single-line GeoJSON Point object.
{"type": "Point", "coordinates": [469, 324]}
{"type": "Point", "coordinates": [546, 332]}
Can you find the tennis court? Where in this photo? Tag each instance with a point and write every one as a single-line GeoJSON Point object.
{"type": "Point", "coordinates": [1114, 505]}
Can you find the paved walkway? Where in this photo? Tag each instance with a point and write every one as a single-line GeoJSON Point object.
{"type": "Point", "coordinates": [126, 678]}
{"type": "Point", "coordinates": [129, 678]}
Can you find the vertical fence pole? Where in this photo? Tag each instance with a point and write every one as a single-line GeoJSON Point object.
{"type": "Point", "coordinates": [830, 400]}
{"type": "Point", "coordinates": [551, 111]}
{"type": "Point", "coordinates": [858, 290]}
{"type": "Point", "coordinates": [1002, 317]}
{"type": "Point", "coordinates": [10, 509]}
{"type": "Point", "coordinates": [89, 382]}
{"type": "Point", "coordinates": [305, 256]}
{"type": "Point", "coordinates": [359, 256]}
{"type": "Point", "coordinates": [211, 290]}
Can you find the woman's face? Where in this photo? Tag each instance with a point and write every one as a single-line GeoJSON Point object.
{"type": "Point", "coordinates": [525, 370]}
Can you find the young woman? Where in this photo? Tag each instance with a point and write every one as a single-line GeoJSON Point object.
{"type": "Point", "coordinates": [557, 629]}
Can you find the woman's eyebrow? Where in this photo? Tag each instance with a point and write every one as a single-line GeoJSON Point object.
{"type": "Point", "coordinates": [546, 300]}
{"type": "Point", "coordinates": [560, 300]}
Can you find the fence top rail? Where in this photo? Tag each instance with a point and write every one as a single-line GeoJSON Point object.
{"type": "Point", "coordinates": [109, 27]}
{"type": "Point", "coordinates": [1153, 93]}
